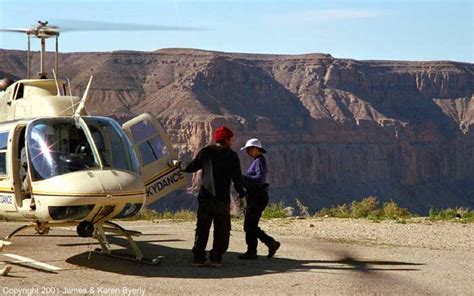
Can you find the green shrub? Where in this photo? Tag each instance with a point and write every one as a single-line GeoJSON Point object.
{"type": "Point", "coordinates": [340, 211]}
{"type": "Point", "coordinates": [274, 210]}
{"type": "Point", "coordinates": [364, 208]}
{"type": "Point", "coordinates": [456, 214]}
{"type": "Point", "coordinates": [391, 210]}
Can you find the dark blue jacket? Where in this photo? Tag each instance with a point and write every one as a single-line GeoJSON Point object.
{"type": "Point", "coordinates": [257, 172]}
{"type": "Point", "coordinates": [254, 182]}
{"type": "Point", "coordinates": [219, 167]}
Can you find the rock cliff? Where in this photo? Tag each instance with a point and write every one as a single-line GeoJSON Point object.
{"type": "Point", "coordinates": [336, 129]}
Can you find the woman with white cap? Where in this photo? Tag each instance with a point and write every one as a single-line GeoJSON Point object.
{"type": "Point", "coordinates": [257, 200]}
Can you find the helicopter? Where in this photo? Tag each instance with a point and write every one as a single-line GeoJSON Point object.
{"type": "Point", "coordinates": [62, 167]}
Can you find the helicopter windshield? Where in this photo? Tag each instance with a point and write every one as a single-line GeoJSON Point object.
{"type": "Point", "coordinates": [114, 147]}
{"type": "Point", "coordinates": [58, 146]}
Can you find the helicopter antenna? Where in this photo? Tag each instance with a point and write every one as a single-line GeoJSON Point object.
{"type": "Point", "coordinates": [69, 86]}
{"type": "Point", "coordinates": [28, 58]}
{"type": "Point", "coordinates": [82, 105]}
{"type": "Point", "coordinates": [56, 55]}
{"type": "Point", "coordinates": [70, 94]}
{"type": "Point", "coordinates": [56, 81]}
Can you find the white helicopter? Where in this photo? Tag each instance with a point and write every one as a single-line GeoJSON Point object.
{"type": "Point", "coordinates": [61, 167]}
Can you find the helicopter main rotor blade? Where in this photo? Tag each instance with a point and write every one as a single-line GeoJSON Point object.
{"type": "Point", "coordinates": [45, 31]}
{"type": "Point", "coordinates": [80, 25]}
{"type": "Point", "coordinates": [16, 30]}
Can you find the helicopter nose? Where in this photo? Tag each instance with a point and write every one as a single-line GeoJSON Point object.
{"type": "Point", "coordinates": [113, 181]}
{"type": "Point", "coordinates": [83, 194]}
{"type": "Point", "coordinates": [117, 184]}
{"type": "Point", "coordinates": [103, 186]}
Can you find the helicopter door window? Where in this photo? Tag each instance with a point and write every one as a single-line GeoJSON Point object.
{"type": "Point", "coordinates": [3, 153]}
{"type": "Point", "coordinates": [152, 149]}
{"type": "Point", "coordinates": [142, 131]}
{"type": "Point", "coordinates": [147, 138]}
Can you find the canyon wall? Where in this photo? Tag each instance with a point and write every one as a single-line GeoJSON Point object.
{"type": "Point", "coordinates": [336, 130]}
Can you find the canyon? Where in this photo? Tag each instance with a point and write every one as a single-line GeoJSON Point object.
{"type": "Point", "coordinates": [336, 130]}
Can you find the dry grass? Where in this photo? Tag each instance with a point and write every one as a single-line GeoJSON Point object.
{"type": "Point", "coordinates": [366, 208]}
{"type": "Point", "coordinates": [463, 215]}
{"type": "Point", "coordinates": [150, 215]}
{"type": "Point", "coordinates": [274, 210]}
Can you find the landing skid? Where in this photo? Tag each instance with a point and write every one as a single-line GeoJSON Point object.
{"type": "Point", "coordinates": [129, 257]}
{"type": "Point", "coordinates": [41, 229]}
{"type": "Point", "coordinates": [99, 234]}
{"type": "Point", "coordinates": [5, 270]}
{"type": "Point", "coordinates": [100, 230]}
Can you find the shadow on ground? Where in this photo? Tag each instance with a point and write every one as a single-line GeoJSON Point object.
{"type": "Point", "coordinates": [177, 264]}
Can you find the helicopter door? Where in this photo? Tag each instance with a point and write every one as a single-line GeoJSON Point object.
{"type": "Point", "coordinates": [7, 193]}
{"type": "Point", "coordinates": [19, 170]}
{"type": "Point", "coordinates": [155, 152]}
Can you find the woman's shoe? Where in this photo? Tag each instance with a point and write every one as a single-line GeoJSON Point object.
{"type": "Point", "coordinates": [273, 248]}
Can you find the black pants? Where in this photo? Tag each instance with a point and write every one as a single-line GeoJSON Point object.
{"type": "Point", "coordinates": [210, 211]}
{"type": "Point", "coordinates": [255, 207]}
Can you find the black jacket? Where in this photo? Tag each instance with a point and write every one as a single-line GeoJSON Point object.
{"type": "Point", "coordinates": [219, 167]}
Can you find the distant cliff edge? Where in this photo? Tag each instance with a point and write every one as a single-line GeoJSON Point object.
{"type": "Point", "coordinates": [336, 130]}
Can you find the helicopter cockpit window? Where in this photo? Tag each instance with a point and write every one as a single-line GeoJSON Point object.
{"type": "Point", "coordinates": [56, 147]}
{"type": "Point", "coordinates": [149, 141]}
{"type": "Point", "coordinates": [3, 153]}
{"type": "Point", "coordinates": [113, 145]}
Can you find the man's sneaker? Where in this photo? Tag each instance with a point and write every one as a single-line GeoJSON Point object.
{"type": "Point", "coordinates": [216, 263]}
{"type": "Point", "coordinates": [248, 256]}
{"type": "Point", "coordinates": [272, 249]}
{"type": "Point", "coordinates": [199, 262]}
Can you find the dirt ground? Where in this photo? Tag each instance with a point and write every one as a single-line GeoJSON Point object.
{"type": "Point", "coordinates": [318, 256]}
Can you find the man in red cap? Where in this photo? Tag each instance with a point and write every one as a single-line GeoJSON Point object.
{"type": "Point", "coordinates": [220, 165]}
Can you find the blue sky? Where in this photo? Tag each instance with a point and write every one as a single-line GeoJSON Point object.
{"type": "Point", "coordinates": [390, 30]}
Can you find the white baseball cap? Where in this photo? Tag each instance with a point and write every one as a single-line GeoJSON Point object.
{"type": "Point", "coordinates": [254, 143]}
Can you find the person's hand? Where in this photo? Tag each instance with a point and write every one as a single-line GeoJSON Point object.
{"type": "Point", "coordinates": [174, 163]}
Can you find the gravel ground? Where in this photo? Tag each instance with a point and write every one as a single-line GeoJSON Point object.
{"type": "Point", "coordinates": [417, 233]}
{"type": "Point", "coordinates": [317, 257]}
